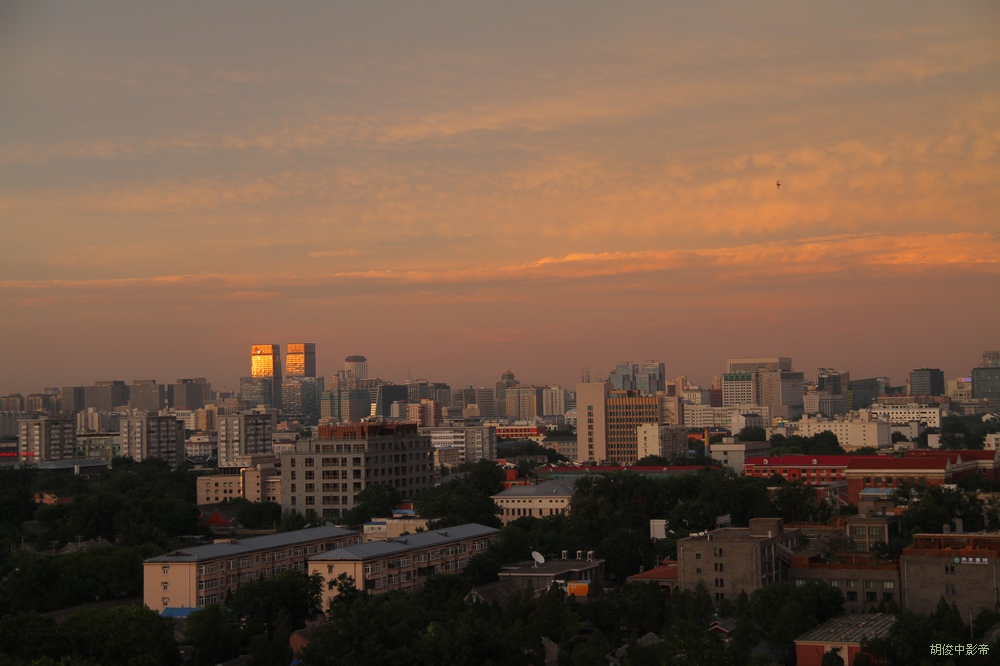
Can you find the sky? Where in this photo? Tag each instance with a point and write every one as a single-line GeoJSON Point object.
{"type": "Point", "coordinates": [453, 189]}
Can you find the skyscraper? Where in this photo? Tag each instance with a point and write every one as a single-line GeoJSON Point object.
{"type": "Point", "coordinates": [356, 366]}
{"type": "Point", "coordinates": [265, 362]}
{"type": "Point", "coordinates": [986, 379]}
{"type": "Point", "coordinates": [301, 360]}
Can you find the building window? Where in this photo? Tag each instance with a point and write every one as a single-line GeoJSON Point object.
{"type": "Point", "coordinates": [717, 552]}
{"type": "Point", "coordinates": [166, 601]}
{"type": "Point", "coordinates": [166, 570]}
{"type": "Point", "coordinates": [165, 585]}
{"type": "Point", "coordinates": [949, 569]}
{"type": "Point", "coordinates": [950, 590]}
{"type": "Point", "coordinates": [718, 566]}
{"type": "Point", "coordinates": [852, 596]}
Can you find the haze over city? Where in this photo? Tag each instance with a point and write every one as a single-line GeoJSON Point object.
{"type": "Point", "coordinates": [453, 190]}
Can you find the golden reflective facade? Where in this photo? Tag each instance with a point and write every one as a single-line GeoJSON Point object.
{"type": "Point", "coordinates": [300, 360]}
{"type": "Point", "coordinates": [265, 360]}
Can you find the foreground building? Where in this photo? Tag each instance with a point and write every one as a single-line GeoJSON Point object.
{"type": "Point", "coordinates": [403, 563]}
{"type": "Point", "coordinates": [202, 575]}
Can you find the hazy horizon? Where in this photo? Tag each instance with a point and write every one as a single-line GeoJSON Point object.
{"type": "Point", "coordinates": [455, 189]}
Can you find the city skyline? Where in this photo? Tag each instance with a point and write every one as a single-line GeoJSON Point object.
{"type": "Point", "coordinates": [453, 190]}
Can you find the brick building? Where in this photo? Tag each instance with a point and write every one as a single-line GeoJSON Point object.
{"type": "Point", "coordinates": [961, 568]}
{"type": "Point", "coordinates": [735, 559]}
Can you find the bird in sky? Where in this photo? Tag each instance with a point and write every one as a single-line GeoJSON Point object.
{"type": "Point", "coordinates": [779, 184]}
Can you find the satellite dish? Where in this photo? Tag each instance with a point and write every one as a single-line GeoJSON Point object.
{"type": "Point", "coordinates": [537, 557]}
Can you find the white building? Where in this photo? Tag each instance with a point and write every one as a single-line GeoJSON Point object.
{"type": "Point", "coordinates": [853, 432]}
{"type": "Point", "coordinates": [899, 414]}
{"type": "Point", "coordinates": [704, 416]}
{"type": "Point", "coordinates": [666, 441]}
{"type": "Point", "coordinates": [474, 442]}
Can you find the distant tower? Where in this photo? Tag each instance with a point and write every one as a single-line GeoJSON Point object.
{"type": "Point", "coordinates": [265, 362]}
{"type": "Point", "coordinates": [356, 366]}
{"type": "Point", "coordinates": [301, 360]}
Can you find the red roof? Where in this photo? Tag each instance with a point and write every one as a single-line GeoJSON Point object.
{"type": "Point", "coordinates": [883, 463]}
{"type": "Point", "coordinates": [796, 460]}
{"type": "Point", "coordinates": [953, 455]}
{"type": "Point", "coordinates": [667, 571]}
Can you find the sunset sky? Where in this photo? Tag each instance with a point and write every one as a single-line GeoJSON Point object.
{"type": "Point", "coordinates": [457, 188]}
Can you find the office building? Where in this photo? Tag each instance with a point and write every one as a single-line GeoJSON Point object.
{"type": "Point", "coordinates": [202, 575]}
{"type": "Point", "coordinates": [144, 437]}
{"type": "Point", "coordinates": [255, 391]}
{"type": "Point", "coordinates": [960, 568]}
{"type": "Point", "coordinates": [106, 396]}
{"type": "Point", "coordinates": [608, 421]}
{"type": "Point", "coordinates": [553, 401]}
{"type": "Point", "coordinates": [356, 367]}
{"type": "Point", "coordinates": [300, 398]}
{"type": "Point", "coordinates": [265, 363]}
{"type": "Point", "coordinates": [926, 381]}
{"type": "Point", "coordinates": [833, 381]}
{"type": "Point", "coordinates": [147, 396]}
{"type": "Point", "coordinates": [865, 392]}
{"type": "Point", "coordinates": [326, 473]}
{"type": "Point", "coordinates": [766, 363]}
{"type": "Point", "coordinates": [300, 359]}
{"type": "Point", "coordinates": [193, 393]}
{"type": "Point", "coordinates": [986, 381]}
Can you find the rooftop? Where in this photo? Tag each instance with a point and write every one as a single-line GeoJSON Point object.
{"type": "Point", "coordinates": [850, 628]}
{"type": "Point", "coordinates": [374, 549]}
{"type": "Point", "coordinates": [561, 488]}
{"type": "Point", "coordinates": [230, 548]}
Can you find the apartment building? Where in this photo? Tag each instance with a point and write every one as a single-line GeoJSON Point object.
{"type": "Point", "coordinates": [260, 482]}
{"type": "Point", "coordinates": [202, 575]}
{"type": "Point", "coordinates": [325, 474]}
{"type": "Point", "coordinates": [403, 563]}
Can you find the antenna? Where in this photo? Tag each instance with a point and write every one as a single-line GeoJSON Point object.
{"type": "Point", "coordinates": [537, 557]}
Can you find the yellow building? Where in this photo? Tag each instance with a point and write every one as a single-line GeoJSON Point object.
{"type": "Point", "coordinates": [202, 575]}
{"type": "Point", "coordinates": [403, 563]}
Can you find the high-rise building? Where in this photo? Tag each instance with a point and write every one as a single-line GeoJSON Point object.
{"type": "Point", "coordinates": [608, 421]}
{"type": "Point", "coordinates": [863, 393]}
{"type": "Point", "coordinates": [758, 363]}
{"type": "Point", "coordinates": [300, 359]}
{"type": "Point", "coordinates": [300, 398]}
{"type": "Point", "coordinates": [426, 413]}
{"type": "Point", "coordinates": [147, 396]}
{"type": "Point", "coordinates": [986, 380]}
{"type": "Point", "coordinates": [832, 381]}
{"type": "Point", "coordinates": [553, 401]}
{"type": "Point", "coordinates": [144, 437]}
{"type": "Point", "coordinates": [926, 381]}
{"type": "Point", "coordinates": [244, 435]}
{"type": "Point", "coordinates": [45, 439]}
{"type": "Point", "coordinates": [256, 391]}
{"type": "Point", "coordinates": [72, 399]}
{"type": "Point", "coordinates": [106, 396]}
{"type": "Point", "coordinates": [356, 366]}
{"type": "Point", "coordinates": [265, 362]}
{"type": "Point", "coordinates": [189, 393]}
{"type": "Point", "coordinates": [357, 455]}
{"type": "Point", "coordinates": [507, 379]}
{"type": "Point", "coordinates": [523, 402]}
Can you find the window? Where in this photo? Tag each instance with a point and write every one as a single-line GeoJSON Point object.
{"type": "Point", "coordinates": [166, 570]}
{"type": "Point", "coordinates": [852, 596]}
{"type": "Point", "coordinates": [888, 584]}
{"type": "Point", "coordinates": [871, 597]}
{"type": "Point", "coordinates": [949, 569]}
{"type": "Point", "coordinates": [165, 585]}
{"type": "Point", "coordinates": [950, 590]}
{"type": "Point", "coordinates": [697, 556]}
{"type": "Point", "coordinates": [166, 601]}
{"type": "Point", "coordinates": [718, 566]}
{"type": "Point", "coordinates": [717, 552]}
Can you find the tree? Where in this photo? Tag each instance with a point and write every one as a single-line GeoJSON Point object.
{"type": "Point", "coordinates": [133, 635]}
{"type": "Point", "coordinates": [377, 499]}
{"type": "Point", "coordinates": [213, 635]}
{"type": "Point", "coordinates": [753, 434]}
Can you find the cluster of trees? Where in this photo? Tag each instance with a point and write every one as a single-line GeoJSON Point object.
{"type": "Point", "coordinates": [138, 509]}
{"type": "Point", "coordinates": [466, 499]}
